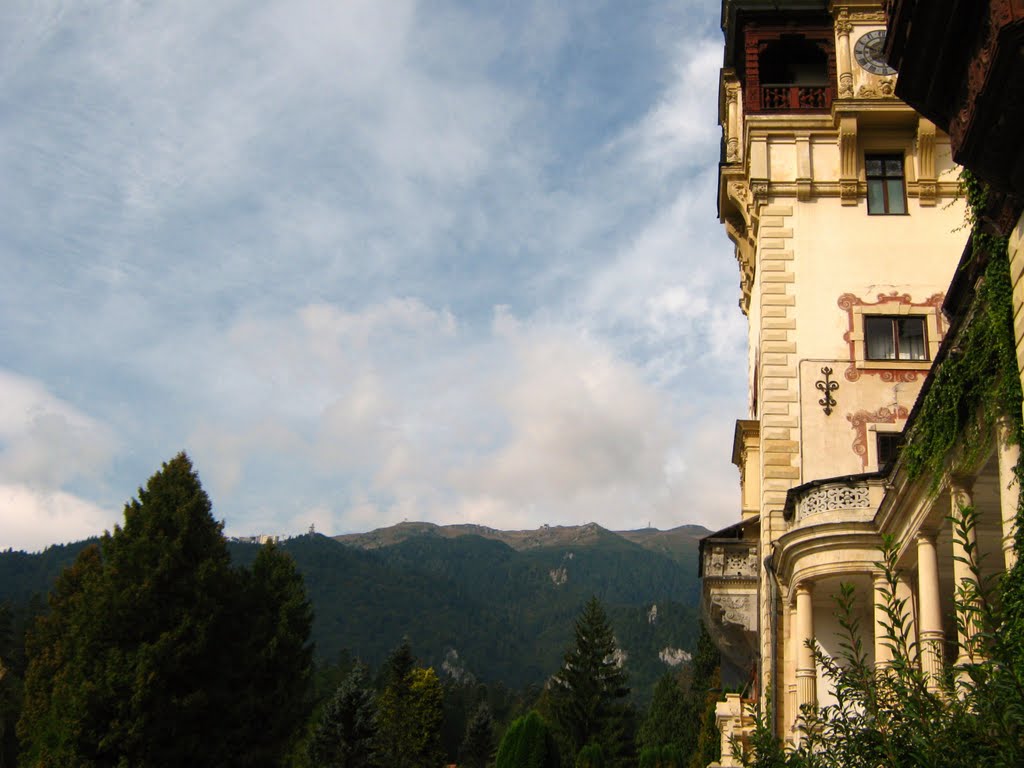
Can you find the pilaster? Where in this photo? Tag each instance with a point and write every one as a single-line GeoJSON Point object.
{"type": "Point", "coordinates": [777, 391]}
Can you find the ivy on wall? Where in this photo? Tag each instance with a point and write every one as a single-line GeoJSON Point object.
{"type": "Point", "coordinates": [975, 386]}
{"type": "Point", "coordinates": [978, 382]}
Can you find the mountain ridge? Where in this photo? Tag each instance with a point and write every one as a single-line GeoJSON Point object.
{"type": "Point", "coordinates": [501, 603]}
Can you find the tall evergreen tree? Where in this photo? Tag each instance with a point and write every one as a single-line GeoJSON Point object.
{"type": "Point", "coordinates": [156, 652]}
{"type": "Point", "coordinates": [478, 745]}
{"type": "Point", "coordinates": [705, 689]}
{"type": "Point", "coordinates": [345, 736]}
{"type": "Point", "coordinates": [670, 716]}
{"type": "Point", "coordinates": [410, 711]}
{"type": "Point", "coordinates": [528, 743]}
{"type": "Point", "coordinates": [588, 697]}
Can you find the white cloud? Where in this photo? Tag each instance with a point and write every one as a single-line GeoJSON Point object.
{"type": "Point", "coordinates": [32, 519]}
{"type": "Point", "coordinates": [45, 442]}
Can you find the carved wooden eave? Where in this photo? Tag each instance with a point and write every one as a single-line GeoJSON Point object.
{"type": "Point", "coordinates": [961, 63]}
{"type": "Point", "coordinates": [733, 12]}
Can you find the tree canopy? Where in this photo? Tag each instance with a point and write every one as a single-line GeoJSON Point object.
{"type": "Point", "coordinates": [156, 652]}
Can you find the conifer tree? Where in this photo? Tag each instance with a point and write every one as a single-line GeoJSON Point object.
{"type": "Point", "coordinates": [410, 711]}
{"type": "Point", "coordinates": [669, 717]}
{"type": "Point", "coordinates": [345, 736]}
{"type": "Point", "coordinates": [478, 745]}
{"type": "Point", "coordinates": [156, 652]}
{"type": "Point", "coordinates": [589, 696]}
{"type": "Point", "coordinates": [528, 743]}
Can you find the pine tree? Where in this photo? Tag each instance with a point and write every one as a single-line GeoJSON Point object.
{"type": "Point", "coordinates": [410, 712]}
{"type": "Point", "coordinates": [345, 735]}
{"type": "Point", "coordinates": [528, 743]}
{"type": "Point", "coordinates": [670, 716]}
{"type": "Point", "coordinates": [156, 652]}
{"type": "Point", "coordinates": [478, 745]}
{"type": "Point", "coordinates": [589, 695]}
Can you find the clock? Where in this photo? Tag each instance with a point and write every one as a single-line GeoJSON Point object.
{"type": "Point", "coordinates": [870, 53]}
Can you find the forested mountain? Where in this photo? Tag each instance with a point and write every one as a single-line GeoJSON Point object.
{"type": "Point", "coordinates": [474, 601]}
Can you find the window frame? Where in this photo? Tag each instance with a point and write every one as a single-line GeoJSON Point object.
{"type": "Point", "coordinates": [886, 436]}
{"type": "Point", "coordinates": [884, 178]}
{"type": "Point", "coordinates": [894, 319]}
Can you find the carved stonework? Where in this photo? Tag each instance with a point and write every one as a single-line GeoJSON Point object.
{"type": "Point", "coordinates": [846, 85]}
{"type": "Point", "coordinates": [883, 90]}
{"type": "Point", "coordinates": [738, 609]}
{"type": "Point", "coordinates": [731, 561]}
{"type": "Point", "coordinates": [848, 192]}
{"type": "Point", "coordinates": [759, 189]}
{"type": "Point", "coordinates": [859, 422]}
{"type": "Point", "coordinates": [887, 303]}
{"type": "Point", "coordinates": [928, 192]}
{"type": "Point", "coordinates": [868, 17]}
{"type": "Point", "coordinates": [832, 498]}
{"type": "Point", "coordinates": [732, 150]}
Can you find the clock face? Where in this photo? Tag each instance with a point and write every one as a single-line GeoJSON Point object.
{"type": "Point", "coordinates": [870, 53]}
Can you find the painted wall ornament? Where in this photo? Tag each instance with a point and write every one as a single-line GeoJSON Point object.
{"type": "Point", "coordinates": [827, 386]}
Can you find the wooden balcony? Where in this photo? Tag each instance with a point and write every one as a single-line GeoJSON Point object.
{"type": "Point", "coordinates": [795, 98]}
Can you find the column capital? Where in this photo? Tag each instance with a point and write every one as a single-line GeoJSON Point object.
{"type": "Point", "coordinates": [804, 588]}
{"type": "Point", "coordinates": [961, 484]}
{"type": "Point", "coordinates": [925, 537]}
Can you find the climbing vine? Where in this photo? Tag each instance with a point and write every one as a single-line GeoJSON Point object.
{"type": "Point", "coordinates": [978, 382]}
{"type": "Point", "coordinates": [975, 386]}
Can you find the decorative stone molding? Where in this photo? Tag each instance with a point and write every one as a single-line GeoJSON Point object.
{"type": "Point", "coordinates": [894, 303]}
{"type": "Point", "coordinates": [868, 17]}
{"type": "Point", "coordinates": [733, 560]}
{"type": "Point", "coordinates": [849, 189]}
{"type": "Point", "coordinates": [859, 422]}
{"type": "Point", "coordinates": [927, 183]}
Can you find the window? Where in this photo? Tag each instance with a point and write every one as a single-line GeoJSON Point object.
{"type": "Point", "coordinates": [895, 338]}
{"type": "Point", "coordinates": [886, 189]}
{"type": "Point", "coordinates": [888, 447]}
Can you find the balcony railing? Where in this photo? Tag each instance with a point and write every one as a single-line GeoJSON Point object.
{"type": "Point", "coordinates": [795, 98]}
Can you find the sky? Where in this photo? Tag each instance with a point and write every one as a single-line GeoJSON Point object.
{"type": "Point", "coordinates": [365, 261]}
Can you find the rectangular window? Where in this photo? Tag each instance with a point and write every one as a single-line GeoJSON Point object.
{"type": "Point", "coordinates": [888, 447]}
{"type": "Point", "coordinates": [895, 338]}
{"type": "Point", "coordinates": [886, 188]}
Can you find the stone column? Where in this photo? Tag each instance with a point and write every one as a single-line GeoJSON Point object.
{"type": "Point", "coordinates": [883, 653]}
{"type": "Point", "coordinates": [1008, 489]}
{"type": "Point", "coordinates": [965, 548]}
{"type": "Point", "coordinates": [793, 703]}
{"type": "Point", "coordinates": [843, 30]}
{"type": "Point", "coordinates": [905, 593]}
{"type": "Point", "coordinates": [929, 619]}
{"type": "Point", "coordinates": [806, 680]}
{"type": "Point", "coordinates": [732, 123]}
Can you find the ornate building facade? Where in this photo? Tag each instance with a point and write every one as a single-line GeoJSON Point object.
{"type": "Point", "coordinates": [843, 204]}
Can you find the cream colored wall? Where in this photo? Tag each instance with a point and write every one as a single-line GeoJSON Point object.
{"type": "Point", "coordinates": [913, 254]}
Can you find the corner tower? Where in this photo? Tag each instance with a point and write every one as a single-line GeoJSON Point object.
{"type": "Point", "coordinates": [842, 204]}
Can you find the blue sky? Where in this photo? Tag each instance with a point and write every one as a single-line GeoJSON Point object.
{"type": "Point", "coordinates": [365, 261]}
